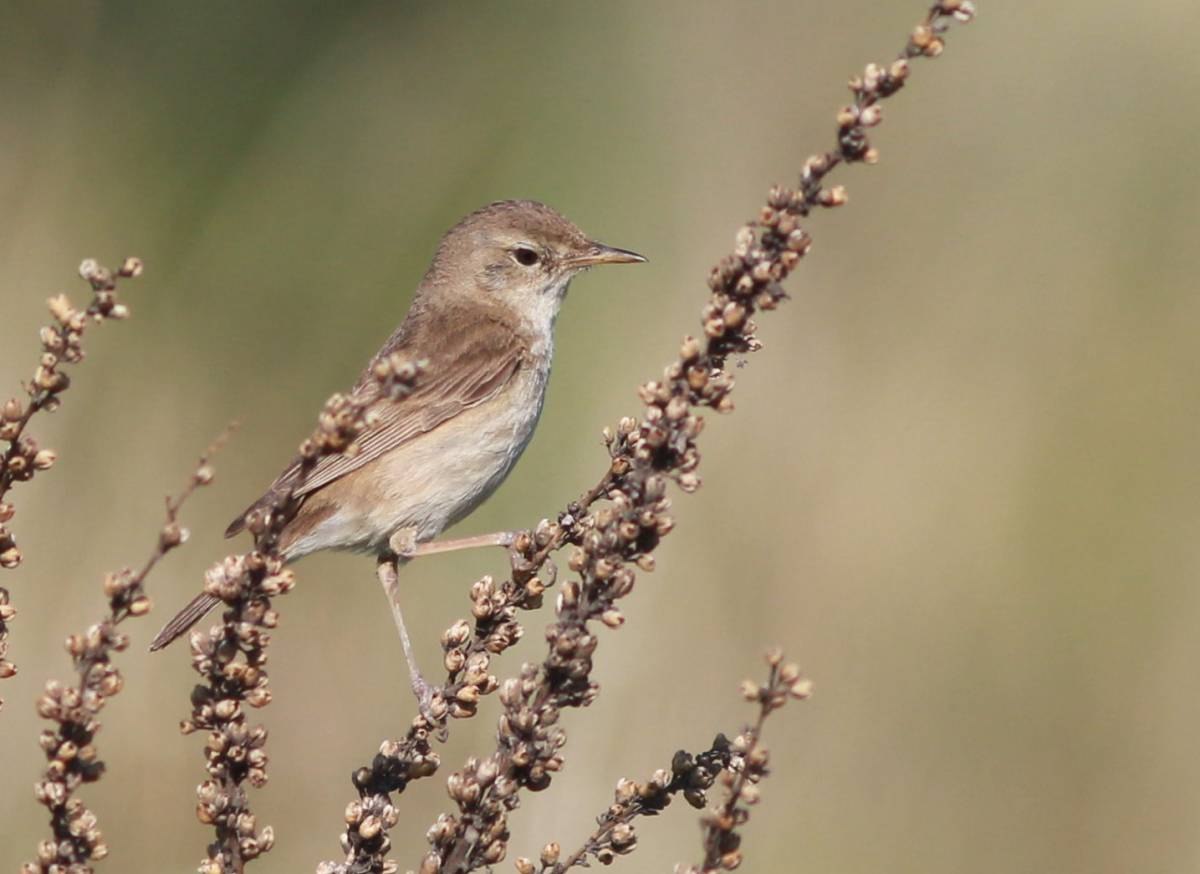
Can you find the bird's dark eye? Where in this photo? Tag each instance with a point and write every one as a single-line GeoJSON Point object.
{"type": "Point", "coordinates": [525, 256]}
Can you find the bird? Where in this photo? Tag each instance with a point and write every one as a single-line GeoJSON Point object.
{"type": "Point", "coordinates": [482, 319]}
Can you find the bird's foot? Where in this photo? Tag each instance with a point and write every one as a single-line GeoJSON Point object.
{"type": "Point", "coordinates": [404, 543]}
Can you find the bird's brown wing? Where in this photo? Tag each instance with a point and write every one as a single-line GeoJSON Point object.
{"type": "Point", "coordinates": [466, 369]}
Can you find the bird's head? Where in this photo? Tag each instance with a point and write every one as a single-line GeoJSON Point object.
{"type": "Point", "coordinates": [518, 253]}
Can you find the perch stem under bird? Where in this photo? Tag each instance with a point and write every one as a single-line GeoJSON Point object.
{"type": "Point", "coordinates": [482, 321]}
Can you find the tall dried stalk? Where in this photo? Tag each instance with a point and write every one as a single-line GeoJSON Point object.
{"type": "Point", "coordinates": [70, 748]}
{"type": "Point", "coordinates": [22, 458]}
{"type": "Point", "coordinates": [609, 539]}
{"type": "Point", "coordinates": [231, 658]}
{"type": "Point", "coordinates": [740, 765]}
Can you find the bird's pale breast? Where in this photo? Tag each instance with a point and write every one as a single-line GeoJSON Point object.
{"type": "Point", "coordinates": [433, 480]}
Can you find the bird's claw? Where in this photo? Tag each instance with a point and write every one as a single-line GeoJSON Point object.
{"type": "Point", "coordinates": [404, 543]}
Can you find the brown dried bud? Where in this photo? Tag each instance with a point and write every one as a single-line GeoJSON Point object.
{"type": "Point", "coordinates": [456, 635]}
{"type": "Point", "coordinates": [835, 196]}
{"type": "Point", "coordinates": [172, 535]}
{"type": "Point", "coordinates": [612, 618]}
{"type": "Point", "coordinates": [802, 688]}
{"type": "Point", "coordinates": [623, 837]}
{"type": "Point", "coordinates": [921, 36]}
{"type": "Point", "coordinates": [132, 267]}
{"type": "Point", "coordinates": [140, 606]}
{"type": "Point", "coordinates": [60, 308]}
{"type": "Point", "coordinates": [370, 827]}
{"type": "Point", "coordinates": [690, 350]}
{"type": "Point", "coordinates": [454, 660]}
{"type": "Point", "coordinates": [962, 10]}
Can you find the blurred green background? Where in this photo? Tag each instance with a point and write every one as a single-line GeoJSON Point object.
{"type": "Point", "coordinates": [960, 486]}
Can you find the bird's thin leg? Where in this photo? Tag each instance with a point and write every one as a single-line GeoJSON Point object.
{"type": "Point", "coordinates": [390, 578]}
{"type": "Point", "coordinates": [409, 548]}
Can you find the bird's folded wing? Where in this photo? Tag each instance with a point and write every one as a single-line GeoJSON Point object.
{"type": "Point", "coordinates": [465, 371]}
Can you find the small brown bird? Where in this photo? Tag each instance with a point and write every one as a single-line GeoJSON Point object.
{"type": "Point", "coordinates": [483, 318]}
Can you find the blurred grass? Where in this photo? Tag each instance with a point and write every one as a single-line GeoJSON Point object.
{"type": "Point", "coordinates": [959, 487]}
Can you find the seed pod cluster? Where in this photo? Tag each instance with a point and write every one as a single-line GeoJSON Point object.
{"type": "Point", "coordinates": [468, 647]}
{"type": "Point", "coordinates": [615, 835]}
{"type": "Point", "coordinates": [74, 708]}
{"type": "Point", "coordinates": [369, 818]}
{"type": "Point", "coordinates": [21, 458]}
{"type": "Point", "coordinates": [7, 612]}
{"type": "Point", "coordinates": [745, 766]}
{"type": "Point", "coordinates": [231, 658]}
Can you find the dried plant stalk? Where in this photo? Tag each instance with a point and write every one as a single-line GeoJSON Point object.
{"type": "Point", "coordinates": [76, 840]}
{"type": "Point", "coordinates": [22, 459]}
{"type": "Point", "coordinates": [608, 540]}
{"type": "Point", "coordinates": [740, 764]}
{"type": "Point", "coordinates": [748, 766]}
{"type": "Point", "coordinates": [231, 658]}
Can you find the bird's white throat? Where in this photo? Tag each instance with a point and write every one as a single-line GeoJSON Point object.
{"type": "Point", "coordinates": [541, 314]}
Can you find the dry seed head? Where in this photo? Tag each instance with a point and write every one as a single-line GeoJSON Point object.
{"type": "Point", "coordinates": [132, 267]}
{"type": "Point", "coordinates": [802, 688]}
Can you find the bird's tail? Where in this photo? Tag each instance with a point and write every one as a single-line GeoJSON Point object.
{"type": "Point", "coordinates": [184, 619]}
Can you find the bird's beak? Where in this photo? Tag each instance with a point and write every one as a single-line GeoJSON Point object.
{"type": "Point", "coordinates": [598, 253]}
